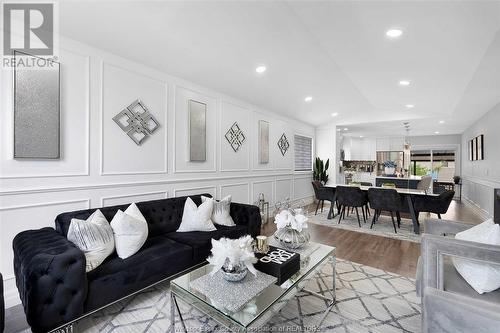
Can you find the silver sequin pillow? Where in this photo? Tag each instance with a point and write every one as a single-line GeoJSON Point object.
{"type": "Point", "coordinates": [94, 237]}
{"type": "Point", "coordinates": [221, 213]}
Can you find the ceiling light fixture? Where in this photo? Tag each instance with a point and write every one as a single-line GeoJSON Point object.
{"type": "Point", "coordinates": [335, 114]}
{"type": "Point", "coordinates": [361, 136]}
{"type": "Point", "coordinates": [404, 83]}
{"type": "Point", "coordinates": [394, 33]}
{"type": "Point", "coordinates": [308, 99]}
{"type": "Point", "coordinates": [436, 132]}
{"type": "Point", "coordinates": [410, 106]}
{"type": "Point", "coordinates": [441, 121]}
{"type": "Point", "coordinates": [260, 69]}
{"type": "Point", "coordinates": [346, 129]}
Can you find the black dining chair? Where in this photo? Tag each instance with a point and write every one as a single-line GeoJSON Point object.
{"type": "Point", "coordinates": [389, 200]}
{"type": "Point", "coordinates": [434, 204]}
{"type": "Point", "coordinates": [322, 193]}
{"type": "Point", "coordinates": [367, 207]}
{"type": "Point", "coordinates": [351, 196]}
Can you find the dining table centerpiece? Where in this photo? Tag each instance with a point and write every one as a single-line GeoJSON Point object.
{"type": "Point", "coordinates": [233, 257]}
{"type": "Point", "coordinates": [291, 227]}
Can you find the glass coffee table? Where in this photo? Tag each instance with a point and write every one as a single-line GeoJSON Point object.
{"type": "Point", "coordinates": [266, 304]}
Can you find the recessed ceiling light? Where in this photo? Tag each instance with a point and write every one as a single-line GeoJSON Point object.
{"type": "Point", "coordinates": [308, 99]}
{"type": "Point", "coordinates": [394, 33]}
{"type": "Point", "coordinates": [345, 129]}
{"type": "Point", "coordinates": [335, 114]}
{"type": "Point", "coordinates": [436, 132]}
{"type": "Point", "coordinates": [404, 83]}
{"type": "Point", "coordinates": [410, 106]}
{"type": "Point", "coordinates": [361, 136]}
{"type": "Point", "coordinates": [260, 69]}
{"type": "Point", "coordinates": [441, 121]}
{"type": "Point", "coordinates": [338, 130]}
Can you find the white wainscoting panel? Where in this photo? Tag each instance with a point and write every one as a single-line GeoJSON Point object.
{"type": "Point", "coordinates": [75, 112]}
{"type": "Point", "coordinates": [181, 125]}
{"type": "Point", "coordinates": [240, 192]}
{"type": "Point", "coordinates": [120, 155]}
{"type": "Point", "coordinates": [229, 159]}
{"type": "Point", "coordinates": [134, 197]}
{"type": "Point", "coordinates": [263, 186]}
{"type": "Point", "coordinates": [302, 188]}
{"type": "Point", "coordinates": [212, 190]}
{"type": "Point", "coordinates": [284, 188]}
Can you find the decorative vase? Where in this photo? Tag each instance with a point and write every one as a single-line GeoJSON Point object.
{"type": "Point", "coordinates": [389, 171]}
{"type": "Point", "coordinates": [233, 273]}
{"type": "Point", "coordinates": [292, 239]}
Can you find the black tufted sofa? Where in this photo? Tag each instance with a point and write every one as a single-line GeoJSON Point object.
{"type": "Point", "coordinates": [50, 270]}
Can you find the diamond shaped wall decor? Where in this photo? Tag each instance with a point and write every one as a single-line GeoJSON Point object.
{"type": "Point", "coordinates": [235, 137]}
{"type": "Point", "coordinates": [137, 122]}
{"type": "Point", "coordinates": [283, 144]}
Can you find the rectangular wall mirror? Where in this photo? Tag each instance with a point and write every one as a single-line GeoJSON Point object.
{"type": "Point", "coordinates": [36, 110]}
{"type": "Point", "coordinates": [197, 131]}
{"type": "Point", "coordinates": [263, 142]}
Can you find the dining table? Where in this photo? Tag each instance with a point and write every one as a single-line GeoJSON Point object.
{"type": "Point", "coordinates": [407, 193]}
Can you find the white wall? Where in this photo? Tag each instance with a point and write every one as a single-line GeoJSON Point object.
{"type": "Point", "coordinates": [326, 138]}
{"type": "Point", "coordinates": [481, 177]}
{"type": "Point", "coordinates": [100, 165]}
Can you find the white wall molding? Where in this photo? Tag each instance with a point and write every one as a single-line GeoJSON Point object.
{"type": "Point", "coordinates": [196, 189]}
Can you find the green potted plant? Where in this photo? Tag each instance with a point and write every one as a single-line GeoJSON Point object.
{"type": "Point", "coordinates": [320, 170]}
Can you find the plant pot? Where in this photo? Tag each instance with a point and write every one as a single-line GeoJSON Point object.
{"type": "Point", "coordinates": [389, 171]}
{"type": "Point", "coordinates": [291, 238]}
{"type": "Point", "coordinates": [233, 273]}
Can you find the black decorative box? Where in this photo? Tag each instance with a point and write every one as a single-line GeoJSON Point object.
{"type": "Point", "coordinates": [279, 263]}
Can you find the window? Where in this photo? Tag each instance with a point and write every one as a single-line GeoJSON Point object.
{"type": "Point", "coordinates": [303, 153]}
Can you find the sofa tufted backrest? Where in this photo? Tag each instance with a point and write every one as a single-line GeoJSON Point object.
{"type": "Point", "coordinates": [163, 215]}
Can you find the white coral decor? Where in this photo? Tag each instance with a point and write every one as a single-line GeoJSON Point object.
{"type": "Point", "coordinates": [286, 219]}
{"type": "Point", "coordinates": [236, 251]}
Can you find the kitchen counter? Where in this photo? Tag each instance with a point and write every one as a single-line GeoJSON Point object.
{"type": "Point", "coordinates": [406, 182]}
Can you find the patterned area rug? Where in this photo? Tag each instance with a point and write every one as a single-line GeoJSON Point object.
{"type": "Point", "coordinates": [368, 300]}
{"type": "Point", "coordinates": [383, 227]}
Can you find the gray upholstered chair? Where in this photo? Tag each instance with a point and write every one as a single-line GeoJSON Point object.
{"type": "Point", "coordinates": [2, 306]}
{"type": "Point", "coordinates": [449, 303]}
{"type": "Point", "coordinates": [424, 183]}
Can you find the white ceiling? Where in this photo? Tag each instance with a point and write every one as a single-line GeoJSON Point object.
{"type": "Point", "coordinates": [335, 51]}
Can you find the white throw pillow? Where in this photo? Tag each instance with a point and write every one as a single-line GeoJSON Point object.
{"type": "Point", "coordinates": [221, 212]}
{"type": "Point", "coordinates": [197, 218]}
{"type": "Point", "coordinates": [94, 237]}
{"type": "Point", "coordinates": [130, 230]}
{"type": "Point", "coordinates": [482, 277]}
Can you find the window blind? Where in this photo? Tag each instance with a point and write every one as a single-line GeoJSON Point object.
{"type": "Point", "coordinates": [303, 153]}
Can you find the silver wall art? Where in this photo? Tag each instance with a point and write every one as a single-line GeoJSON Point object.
{"type": "Point", "coordinates": [137, 122]}
{"type": "Point", "coordinates": [197, 131]}
{"type": "Point", "coordinates": [235, 137]}
{"type": "Point", "coordinates": [263, 142]}
{"type": "Point", "coordinates": [283, 144]}
{"type": "Point", "coordinates": [36, 110]}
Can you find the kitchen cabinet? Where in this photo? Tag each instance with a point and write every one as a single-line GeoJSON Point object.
{"type": "Point", "coordinates": [359, 149]}
{"type": "Point", "coordinates": [390, 144]}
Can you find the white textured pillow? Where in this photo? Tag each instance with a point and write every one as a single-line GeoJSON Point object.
{"type": "Point", "coordinates": [221, 213]}
{"type": "Point", "coordinates": [131, 231]}
{"type": "Point", "coordinates": [197, 218]}
{"type": "Point", "coordinates": [482, 277]}
{"type": "Point", "coordinates": [94, 237]}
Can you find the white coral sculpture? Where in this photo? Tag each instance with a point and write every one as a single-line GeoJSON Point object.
{"type": "Point", "coordinates": [235, 251]}
{"type": "Point", "coordinates": [287, 219]}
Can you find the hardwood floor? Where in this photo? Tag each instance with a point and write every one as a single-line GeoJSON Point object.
{"type": "Point", "coordinates": [392, 255]}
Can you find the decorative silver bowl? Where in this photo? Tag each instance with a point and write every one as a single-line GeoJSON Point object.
{"type": "Point", "coordinates": [233, 273]}
{"type": "Point", "coordinates": [291, 238]}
